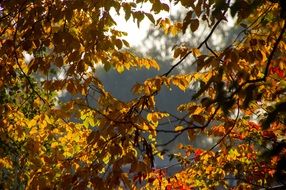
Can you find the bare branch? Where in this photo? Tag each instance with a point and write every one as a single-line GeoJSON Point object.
{"type": "Point", "coordinates": [180, 132]}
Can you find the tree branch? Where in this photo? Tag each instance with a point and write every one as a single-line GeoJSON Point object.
{"type": "Point", "coordinates": [227, 133]}
{"type": "Point", "coordinates": [180, 132]}
{"type": "Point", "coordinates": [18, 64]}
{"type": "Point", "coordinates": [266, 71]}
{"type": "Point", "coordinates": [201, 44]}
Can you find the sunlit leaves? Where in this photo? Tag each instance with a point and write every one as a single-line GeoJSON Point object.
{"type": "Point", "coordinates": [180, 52]}
{"type": "Point", "coordinates": [233, 154]}
{"type": "Point", "coordinates": [181, 82]}
{"type": "Point", "coordinates": [6, 163]}
{"type": "Point", "coordinates": [153, 85]}
{"type": "Point", "coordinates": [88, 119]}
{"type": "Point", "coordinates": [169, 27]}
{"type": "Point", "coordinates": [218, 130]}
{"type": "Point", "coordinates": [126, 60]}
{"type": "Point", "coordinates": [155, 117]}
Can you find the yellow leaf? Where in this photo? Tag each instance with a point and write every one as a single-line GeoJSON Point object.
{"type": "Point", "coordinates": [54, 144]}
{"type": "Point", "coordinates": [119, 68]}
{"type": "Point", "coordinates": [158, 83]}
{"type": "Point", "coordinates": [153, 64]}
{"type": "Point", "coordinates": [196, 52]}
{"type": "Point", "coordinates": [151, 102]}
{"type": "Point", "coordinates": [48, 120]}
{"type": "Point", "coordinates": [232, 154]}
{"type": "Point", "coordinates": [144, 127]}
{"type": "Point", "coordinates": [34, 130]}
{"type": "Point", "coordinates": [181, 83]}
{"type": "Point", "coordinates": [174, 31]}
{"type": "Point", "coordinates": [106, 159]}
{"type": "Point", "coordinates": [6, 163]}
{"type": "Point", "coordinates": [152, 117]}
{"type": "Point", "coordinates": [179, 128]}
{"type": "Point", "coordinates": [137, 89]}
{"type": "Point", "coordinates": [198, 111]}
{"type": "Point", "coordinates": [31, 123]}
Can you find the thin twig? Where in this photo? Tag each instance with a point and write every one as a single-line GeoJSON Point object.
{"type": "Point", "coordinates": [227, 133]}
{"type": "Point", "coordinates": [248, 27]}
{"type": "Point", "coordinates": [180, 132]}
{"type": "Point", "coordinates": [28, 80]}
{"type": "Point", "coordinates": [18, 64]}
{"type": "Point", "coordinates": [201, 44]}
{"type": "Point", "coordinates": [212, 51]}
{"type": "Point", "coordinates": [266, 71]}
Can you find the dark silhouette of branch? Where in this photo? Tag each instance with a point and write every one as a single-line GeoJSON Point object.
{"type": "Point", "coordinates": [266, 71]}
{"type": "Point", "coordinates": [245, 181]}
{"type": "Point", "coordinates": [180, 132]}
{"type": "Point", "coordinates": [178, 63]}
{"type": "Point", "coordinates": [212, 51]}
{"type": "Point", "coordinates": [260, 17]}
{"type": "Point", "coordinates": [227, 133]}
{"type": "Point", "coordinates": [201, 44]}
{"type": "Point", "coordinates": [18, 64]}
{"type": "Point", "coordinates": [29, 81]}
{"type": "Point", "coordinates": [276, 187]}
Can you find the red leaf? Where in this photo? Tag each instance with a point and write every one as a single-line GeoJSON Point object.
{"type": "Point", "coordinates": [198, 152]}
{"type": "Point", "coordinates": [168, 187]}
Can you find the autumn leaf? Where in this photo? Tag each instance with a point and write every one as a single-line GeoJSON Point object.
{"type": "Point", "coordinates": [198, 152]}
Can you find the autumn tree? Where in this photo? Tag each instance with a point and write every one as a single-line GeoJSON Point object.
{"type": "Point", "coordinates": [96, 141]}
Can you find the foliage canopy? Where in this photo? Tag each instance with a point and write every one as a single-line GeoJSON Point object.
{"type": "Point", "coordinates": [46, 143]}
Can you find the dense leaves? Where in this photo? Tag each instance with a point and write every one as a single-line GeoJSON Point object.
{"type": "Point", "coordinates": [95, 141]}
